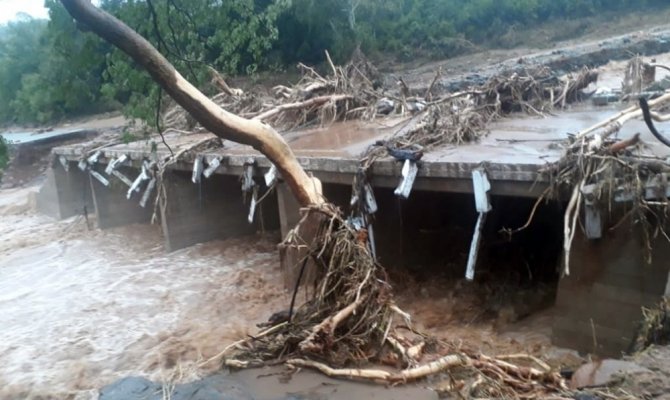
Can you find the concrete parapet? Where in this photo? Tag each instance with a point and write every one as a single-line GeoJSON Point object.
{"type": "Point", "coordinates": [65, 193]}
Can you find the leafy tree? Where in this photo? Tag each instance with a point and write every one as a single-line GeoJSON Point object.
{"type": "Point", "coordinates": [309, 27]}
{"type": "Point", "coordinates": [21, 50]}
{"type": "Point", "coordinates": [189, 34]}
{"type": "Point", "coordinates": [49, 70]}
{"type": "Point", "coordinates": [4, 154]}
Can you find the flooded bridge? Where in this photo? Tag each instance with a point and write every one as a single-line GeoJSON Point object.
{"type": "Point", "coordinates": [597, 306]}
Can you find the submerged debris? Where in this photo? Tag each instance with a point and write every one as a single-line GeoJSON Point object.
{"type": "Point", "coordinates": [355, 91]}
{"type": "Point", "coordinates": [654, 328]}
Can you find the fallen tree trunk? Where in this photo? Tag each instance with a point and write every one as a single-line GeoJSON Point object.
{"type": "Point", "coordinates": [377, 375]}
{"type": "Point", "coordinates": [316, 101]}
{"type": "Point", "coordinates": [226, 125]}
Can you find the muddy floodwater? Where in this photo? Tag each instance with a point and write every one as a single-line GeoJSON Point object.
{"type": "Point", "coordinates": [81, 308]}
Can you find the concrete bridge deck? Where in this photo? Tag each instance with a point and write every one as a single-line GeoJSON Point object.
{"type": "Point", "coordinates": [514, 152]}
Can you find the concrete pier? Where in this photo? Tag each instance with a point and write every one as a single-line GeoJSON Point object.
{"type": "Point", "coordinates": [65, 193]}
{"type": "Point", "coordinates": [599, 305]}
{"type": "Point", "coordinates": [212, 209]}
{"type": "Point", "coordinates": [112, 208]}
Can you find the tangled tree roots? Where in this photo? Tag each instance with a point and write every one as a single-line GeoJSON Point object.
{"type": "Point", "coordinates": [350, 312]}
{"type": "Point", "coordinates": [654, 328]}
{"type": "Point", "coordinates": [599, 177]}
{"type": "Point", "coordinates": [601, 170]}
{"type": "Point", "coordinates": [351, 321]}
{"type": "Point", "coordinates": [355, 92]}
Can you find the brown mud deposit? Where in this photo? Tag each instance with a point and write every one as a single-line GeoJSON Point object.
{"type": "Point", "coordinates": [477, 318]}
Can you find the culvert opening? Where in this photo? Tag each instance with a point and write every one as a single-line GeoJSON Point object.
{"type": "Point", "coordinates": [424, 243]}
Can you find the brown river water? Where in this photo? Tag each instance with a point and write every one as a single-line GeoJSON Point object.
{"type": "Point", "coordinates": [82, 308]}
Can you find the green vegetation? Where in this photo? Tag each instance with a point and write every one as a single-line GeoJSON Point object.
{"type": "Point", "coordinates": [4, 155]}
{"type": "Point", "coordinates": [51, 69]}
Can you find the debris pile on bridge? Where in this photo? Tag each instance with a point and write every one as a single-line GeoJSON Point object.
{"type": "Point", "coordinates": [356, 91]}
{"type": "Point", "coordinates": [599, 170]}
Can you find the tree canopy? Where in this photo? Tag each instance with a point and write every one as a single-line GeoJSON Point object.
{"type": "Point", "coordinates": [51, 69]}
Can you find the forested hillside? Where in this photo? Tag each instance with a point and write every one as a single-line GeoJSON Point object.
{"type": "Point", "coordinates": [50, 69]}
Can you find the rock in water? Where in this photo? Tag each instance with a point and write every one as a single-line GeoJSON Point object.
{"type": "Point", "coordinates": [602, 372]}
{"type": "Point", "coordinates": [131, 388]}
{"type": "Point", "coordinates": [216, 387]}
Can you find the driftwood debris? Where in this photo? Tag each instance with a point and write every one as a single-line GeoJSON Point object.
{"type": "Point", "coordinates": [221, 83]}
{"type": "Point", "coordinates": [593, 159]}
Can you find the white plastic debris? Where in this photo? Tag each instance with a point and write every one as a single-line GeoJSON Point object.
{"type": "Point", "coordinates": [110, 166]}
{"type": "Point", "coordinates": [252, 207]}
{"type": "Point", "coordinates": [370, 201]}
{"type": "Point", "coordinates": [481, 187]}
{"type": "Point", "coordinates": [409, 171]}
{"type": "Point", "coordinates": [143, 176]}
{"type": "Point", "coordinates": [64, 163]}
{"type": "Point", "coordinates": [248, 176]}
{"type": "Point", "coordinates": [147, 192]}
{"type": "Point", "coordinates": [271, 176]}
{"type": "Point", "coordinates": [99, 177]}
{"type": "Point", "coordinates": [197, 170]}
{"type": "Point", "coordinates": [83, 165]}
{"type": "Point", "coordinates": [115, 163]}
{"type": "Point", "coordinates": [357, 222]}
{"type": "Point", "coordinates": [213, 165]}
{"type": "Point", "coordinates": [95, 157]}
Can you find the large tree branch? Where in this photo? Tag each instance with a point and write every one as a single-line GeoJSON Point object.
{"type": "Point", "coordinates": [215, 119]}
